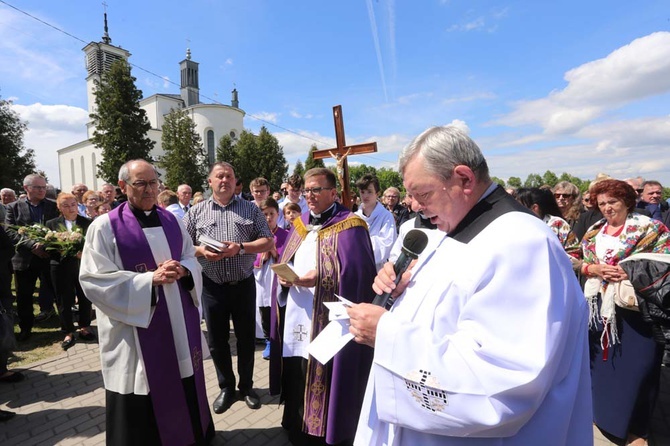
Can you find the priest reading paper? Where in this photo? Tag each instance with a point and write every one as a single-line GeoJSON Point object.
{"type": "Point", "coordinates": [139, 269]}
{"type": "Point", "coordinates": [486, 343]}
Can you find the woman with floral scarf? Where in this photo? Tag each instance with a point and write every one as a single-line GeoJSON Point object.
{"type": "Point", "coordinates": [625, 360]}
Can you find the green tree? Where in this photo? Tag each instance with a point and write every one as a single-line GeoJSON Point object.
{"type": "Point", "coordinates": [549, 178]}
{"type": "Point", "coordinates": [254, 156]}
{"type": "Point", "coordinates": [185, 161]}
{"type": "Point", "coordinates": [357, 171]}
{"type": "Point", "coordinates": [299, 169]}
{"type": "Point", "coordinates": [15, 159]}
{"type": "Point", "coordinates": [387, 178]}
{"type": "Point", "coordinates": [225, 150]}
{"type": "Point", "coordinates": [533, 180]}
{"type": "Point", "coordinates": [514, 182]}
{"type": "Point", "coordinates": [498, 180]}
{"type": "Point", "coordinates": [121, 126]}
{"type": "Point", "coordinates": [310, 162]}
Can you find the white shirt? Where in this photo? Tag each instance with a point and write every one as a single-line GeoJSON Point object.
{"type": "Point", "coordinates": [178, 210]}
{"type": "Point", "coordinates": [281, 222]}
{"type": "Point", "coordinates": [381, 226]}
{"type": "Point", "coordinates": [487, 346]}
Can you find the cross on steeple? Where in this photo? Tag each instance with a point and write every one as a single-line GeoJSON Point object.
{"type": "Point", "coordinates": [105, 37]}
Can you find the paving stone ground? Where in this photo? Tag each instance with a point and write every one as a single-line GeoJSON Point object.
{"type": "Point", "coordinates": [62, 402]}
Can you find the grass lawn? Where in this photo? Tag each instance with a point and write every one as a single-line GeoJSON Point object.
{"type": "Point", "coordinates": [44, 342]}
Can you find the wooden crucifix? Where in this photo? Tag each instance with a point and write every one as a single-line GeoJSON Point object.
{"type": "Point", "coordinates": [341, 153]}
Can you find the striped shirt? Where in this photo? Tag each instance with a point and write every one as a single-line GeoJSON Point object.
{"type": "Point", "coordinates": [239, 221]}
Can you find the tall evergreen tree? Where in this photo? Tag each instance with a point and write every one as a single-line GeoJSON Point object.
{"type": "Point", "coordinates": [185, 161]}
{"type": "Point", "coordinates": [254, 156]}
{"type": "Point", "coordinates": [310, 162]}
{"type": "Point", "coordinates": [299, 169]}
{"type": "Point", "coordinates": [15, 160]}
{"type": "Point", "coordinates": [121, 126]}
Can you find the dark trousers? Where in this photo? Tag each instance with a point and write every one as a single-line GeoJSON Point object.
{"type": "Point", "coordinates": [65, 279]}
{"type": "Point", "coordinates": [220, 302]}
{"type": "Point", "coordinates": [265, 321]}
{"type": "Point", "coordinates": [26, 281]}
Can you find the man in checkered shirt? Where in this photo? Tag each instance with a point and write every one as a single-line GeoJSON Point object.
{"type": "Point", "coordinates": [229, 288]}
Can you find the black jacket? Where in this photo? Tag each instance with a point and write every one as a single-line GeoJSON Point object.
{"type": "Point", "coordinates": [18, 214]}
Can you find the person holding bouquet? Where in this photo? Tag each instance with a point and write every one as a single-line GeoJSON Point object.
{"type": "Point", "coordinates": [64, 245]}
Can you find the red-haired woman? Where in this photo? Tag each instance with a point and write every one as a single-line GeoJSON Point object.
{"type": "Point", "coordinates": [626, 360]}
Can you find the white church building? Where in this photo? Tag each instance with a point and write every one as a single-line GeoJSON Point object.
{"type": "Point", "coordinates": [78, 163]}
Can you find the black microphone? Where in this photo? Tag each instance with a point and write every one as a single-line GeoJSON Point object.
{"type": "Point", "coordinates": [413, 245]}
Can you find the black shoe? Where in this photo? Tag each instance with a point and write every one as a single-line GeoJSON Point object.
{"type": "Point", "coordinates": [86, 336]}
{"type": "Point", "coordinates": [6, 415]}
{"type": "Point", "coordinates": [68, 342]}
{"type": "Point", "coordinates": [44, 315]}
{"type": "Point", "coordinates": [13, 378]}
{"type": "Point", "coordinates": [252, 399]}
{"type": "Point", "coordinates": [225, 399]}
{"type": "Point", "coordinates": [23, 336]}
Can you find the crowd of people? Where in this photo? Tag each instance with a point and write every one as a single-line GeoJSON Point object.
{"type": "Point", "coordinates": [515, 324]}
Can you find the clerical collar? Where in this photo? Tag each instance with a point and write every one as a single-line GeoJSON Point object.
{"type": "Point", "coordinates": [319, 219]}
{"type": "Point", "coordinates": [147, 219]}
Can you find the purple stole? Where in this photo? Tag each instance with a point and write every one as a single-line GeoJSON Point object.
{"type": "Point", "coordinates": [158, 350]}
{"type": "Point", "coordinates": [317, 383]}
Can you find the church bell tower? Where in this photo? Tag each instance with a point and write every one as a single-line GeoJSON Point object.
{"type": "Point", "coordinates": [99, 58]}
{"type": "Point", "coordinates": [190, 90]}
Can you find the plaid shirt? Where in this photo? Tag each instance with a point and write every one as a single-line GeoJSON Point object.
{"type": "Point", "coordinates": [240, 221]}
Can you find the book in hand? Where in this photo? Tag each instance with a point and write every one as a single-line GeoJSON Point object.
{"type": "Point", "coordinates": [284, 271]}
{"type": "Point", "coordinates": [211, 244]}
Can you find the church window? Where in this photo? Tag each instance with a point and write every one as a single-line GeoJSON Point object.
{"type": "Point", "coordinates": [95, 173]}
{"type": "Point", "coordinates": [72, 171]}
{"type": "Point", "coordinates": [83, 170]}
{"type": "Point", "coordinates": [211, 150]}
{"type": "Point", "coordinates": [233, 134]}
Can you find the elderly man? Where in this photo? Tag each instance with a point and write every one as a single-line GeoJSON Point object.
{"type": "Point", "coordinates": [184, 194]}
{"type": "Point", "coordinates": [108, 193]}
{"type": "Point", "coordinates": [139, 269]}
{"type": "Point", "coordinates": [7, 196]}
{"type": "Point", "coordinates": [229, 288]}
{"type": "Point", "coordinates": [651, 199]}
{"type": "Point", "coordinates": [486, 343]}
{"type": "Point", "coordinates": [294, 195]}
{"type": "Point", "coordinates": [329, 249]}
{"type": "Point", "coordinates": [78, 190]}
{"type": "Point", "coordinates": [391, 200]}
{"type": "Point", "coordinates": [31, 261]}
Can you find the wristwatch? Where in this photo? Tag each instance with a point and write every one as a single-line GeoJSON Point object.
{"type": "Point", "coordinates": [242, 251]}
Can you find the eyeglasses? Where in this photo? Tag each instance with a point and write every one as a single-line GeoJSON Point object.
{"type": "Point", "coordinates": [141, 184]}
{"type": "Point", "coordinates": [557, 196]}
{"type": "Point", "coordinates": [38, 187]}
{"type": "Point", "coordinates": [315, 190]}
{"type": "Point", "coordinates": [391, 196]}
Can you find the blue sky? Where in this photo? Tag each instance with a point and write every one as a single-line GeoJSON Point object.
{"type": "Point", "coordinates": [581, 87]}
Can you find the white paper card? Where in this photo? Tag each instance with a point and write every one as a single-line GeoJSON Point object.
{"type": "Point", "coordinates": [330, 341]}
{"type": "Point", "coordinates": [336, 311]}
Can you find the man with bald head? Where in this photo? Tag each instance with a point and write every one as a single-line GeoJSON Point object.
{"type": "Point", "coordinates": [139, 269]}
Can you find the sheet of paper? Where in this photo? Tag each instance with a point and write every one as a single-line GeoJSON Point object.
{"type": "Point", "coordinates": [345, 301]}
{"type": "Point", "coordinates": [284, 271]}
{"type": "Point", "coordinates": [330, 341]}
{"type": "Point", "coordinates": [336, 311]}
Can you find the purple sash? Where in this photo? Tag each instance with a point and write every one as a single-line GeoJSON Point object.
{"type": "Point", "coordinates": [160, 357]}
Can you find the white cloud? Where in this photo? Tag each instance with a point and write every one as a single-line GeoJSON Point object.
{"type": "Point", "coordinates": [475, 24]}
{"type": "Point", "coordinates": [484, 95]}
{"type": "Point", "coordinates": [297, 115]}
{"type": "Point", "coordinates": [633, 72]}
{"type": "Point", "coordinates": [229, 61]}
{"type": "Point", "coordinates": [50, 128]}
{"type": "Point", "coordinates": [265, 116]}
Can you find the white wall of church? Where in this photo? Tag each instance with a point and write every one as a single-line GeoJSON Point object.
{"type": "Point", "coordinates": [157, 106]}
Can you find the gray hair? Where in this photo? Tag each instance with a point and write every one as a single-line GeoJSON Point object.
{"type": "Point", "coordinates": [6, 190]}
{"type": "Point", "coordinates": [124, 171]}
{"type": "Point", "coordinates": [444, 148]}
{"type": "Point", "coordinates": [28, 180]}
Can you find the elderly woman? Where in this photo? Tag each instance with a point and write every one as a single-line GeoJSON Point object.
{"type": "Point", "coordinates": [568, 201]}
{"type": "Point", "coordinates": [626, 360]}
{"type": "Point", "coordinates": [65, 274]}
{"type": "Point", "coordinates": [91, 200]}
{"type": "Point", "coordinates": [543, 204]}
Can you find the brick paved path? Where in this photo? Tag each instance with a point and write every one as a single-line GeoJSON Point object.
{"type": "Point", "coordinates": [62, 402]}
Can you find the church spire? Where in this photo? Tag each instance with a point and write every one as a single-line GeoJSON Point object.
{"type": "Point", "coordinates": [105, 37]}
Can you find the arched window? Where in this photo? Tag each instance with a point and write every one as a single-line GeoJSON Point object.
{"type": "Point", "coordinates": [211, 148]}
{"type": "Point", "coordinates": [94, 169]}
{"type": "Point", "coordinates": [83, 170]}
{"type": "Point", "coordinates": [72, 178]}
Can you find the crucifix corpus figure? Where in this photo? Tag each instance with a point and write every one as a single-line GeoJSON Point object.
{"type": "Point", "coordinates": [341, 153]}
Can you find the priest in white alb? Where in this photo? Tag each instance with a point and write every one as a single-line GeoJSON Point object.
{"type": "Point", "coordinates": [139, 269]}
{"type": "Point", "coordinates": [486, 343]}
{"type": "Point", "coordinates": [380, 221]}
